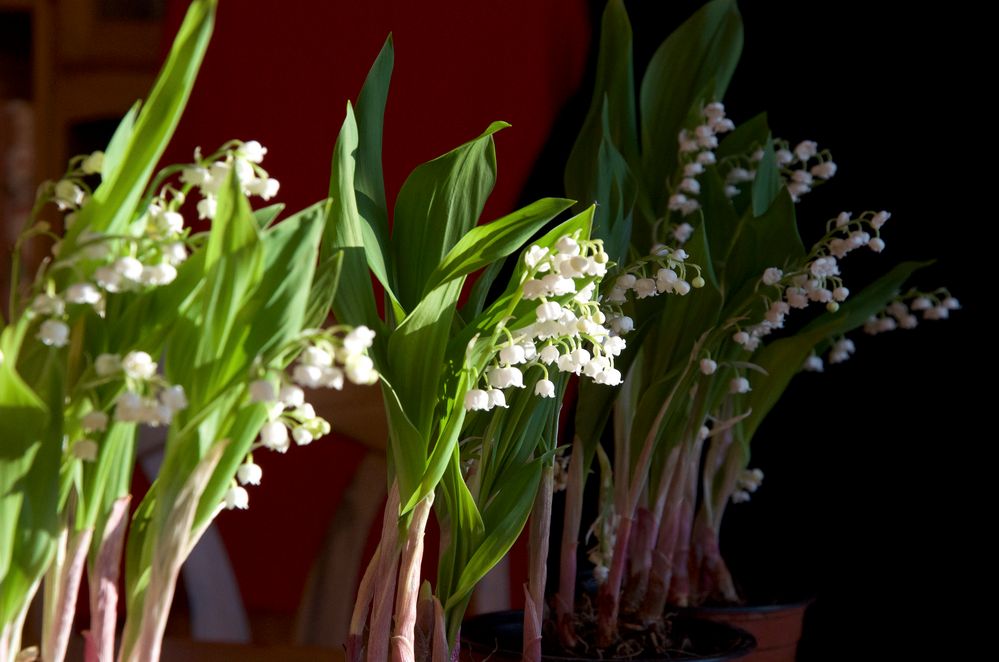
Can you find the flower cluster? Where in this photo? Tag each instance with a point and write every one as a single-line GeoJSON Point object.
{"type": "Point", "coordinates": [330, 356]}
{"type": "Point", "coordinates": [569, 335]}
{"type": "Point", "coordinates": [147, 398]}
{"type": "Point", "coordinates": [697, 151]}
{"type": "Point", "coordinates": [663, 272]}
{"type": "Point", "coordinates": [748, 482]}
{"type": "Point", "coordinates": [818, 280]}
{"type": "Point", "coordinates": [149, 251]}
{"type": "Point", "coordinates": [209, 173]}
{"type": "Point", "coordinates": [802, 168]}
{"type": "Point", "coordinates": [903, 311]}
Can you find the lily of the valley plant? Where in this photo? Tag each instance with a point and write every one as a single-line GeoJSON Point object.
{"type": "Point", "coordinates": [472, 392]}
{"type": "Point", "coordinates": [678, 182]}
{"type": "Point", "coordinates": [137, 321]}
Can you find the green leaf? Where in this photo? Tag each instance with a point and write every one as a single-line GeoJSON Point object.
{"type": "Point", "coordinates": [114, 202]}
{"type": "Point", "coordinates": [267, 215]}
{"type": "Point", "coordinates": [439, 202]}
{"type": "Point", "coordinates": [443, 447]}
{"type": "Point", "coordinates": [486, 244]}
{"type": "Point", "coordinates": [241, 435]}
{"type": "Point", "coordinates": [610, 123]}
{"type": "Point", "coordinates": [615, 194]}
{"type": "Point", "coordinates": [696, 62]}
{"type": "Point", "coordinates": [275, 313]}
{"type": "Point", "coordinates": [459, 515]}
{"type": "Point", "coordinates": [503, 519]}
{"type": "Point", "coordinates": [767, 183]}
{"type": "Point", "coordinates": [110, 476]}
{"type": "Point", "coordinates": [745, 138]}
{"type": "Point", "coordinates": [233, 266]}
{"type": "Point", "coordinates": [684, 319]}
{"type": "Point", "coordinates": [324, 286]}
{"type": "Point", "coordinates": [416, 353]}
{"type": "Point", "coordinates": [408, 447]}
{"type": "Point", "coordinates": [118, 145]}
{"type": "Point", "coordinates": [771, 240]}
{"type": "Point", "coordinates": [31, 434]}
{"type": "Point", "coordinates": [720, 219]}
{"type": "Point", "coordinates": [22, 421]}
{"type": "Point", "coordinates": [354, 305]}
{"type": "Point", "coordinates": [369, 185]}
{"type": "Point", "coordinates": [480, 290]}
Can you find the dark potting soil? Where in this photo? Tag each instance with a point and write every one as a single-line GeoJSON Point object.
{"type": "Point", "coordinates": [675, 637]}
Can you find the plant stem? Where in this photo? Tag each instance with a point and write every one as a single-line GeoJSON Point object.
{"type": "Point", "coordinates": [640, 560]}
{"type": "Point", "coordinates": [403, 641]}
{"type": "Point", "coordinates": [380, 629]}
{"type": "Point", "coordinates": [608, 599]}
{"type": "Point", "coordinates": [643, 562]}
{"type": "Point", "coordinates": [359, 617]}
{"type": "Point", "coordinates": [679, 593]}
{"type": "Point", "coordinates": [62, 588]}
{"type": "Point", "coordinates": [142, 639]}
{"type": "Point", "coordinates": [440, 652]}
{"type": "Point", "coordinates": [565, 601]}
{"type": "Point", "coordinates": [103, 584]}
{"type": "Point", "coordinates": [660, 574]}
{"type": "Point", "coordinates": [534, 606]}
{"type": "Point", "coordinates": [10, 632]}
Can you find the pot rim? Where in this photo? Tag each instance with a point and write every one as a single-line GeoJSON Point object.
{"type": "Point", "coordinates": [792, 605]}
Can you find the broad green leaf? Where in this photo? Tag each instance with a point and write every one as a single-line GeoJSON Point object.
{"type": "Point", "coordinates": [151, 316]}
{"type": "Point", "coordinates": [439, 202]}
{"type": "Point", "coordinates": [503, 519]}
{"type": "Point", "coordinates": [119, 142]}
{"type": "Point", "coordinates": [480, 290]}
{"type": "Point", "coordinates": [684, 319]}
{"type": "Point", "coordinates": [408, 448]}
{"type": "Point", "coordinates": [615, 192]}
{"type": "Point", "coordinates": [610, 122]}
{"type": "Point", "coordinates": [443, 447]}
{"type": "Point", "coordinates": [31, 429]}
{"type": "Point", "coordinates": [110, 476]}
{"type": "Point", "coordinates": [354, 305]}
{"type": "Point", "coordinates": [275, 312]}
{"type": "Point", "coordinates": [745, 138]}
{"type": "Point", "coordinates": [771, 240]}
{"type": "Point", "coordinates": [241, 435]}
{"type": "Point", "coordinates": [324, 286]}
{"type": "Point", "coordinates": [369, 185]}
{"type": "Point", "coordinates": [233, 266]}
{"type": "Point", "coordinates": [720, 219]}
{"type": "Point", "coordinates": [114, 201]}
{"type": "Point", "coordinates": [22, 421]}
{"type": "Point", "coordinates": [695, 62]}
{"type": "Point", "coordinates": [416, 353]}
{"type": "Point", "coordinates": [767, 183]}
{"type": "Point", "coordinates": [460, 517]}
{"type": "Point", "coordinates": [267, 215]}
{"type": "Point", "coordinates": [487, 244]}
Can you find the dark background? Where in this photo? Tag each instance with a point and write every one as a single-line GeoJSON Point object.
{"type": "Point", "coordinates": [872, 501]}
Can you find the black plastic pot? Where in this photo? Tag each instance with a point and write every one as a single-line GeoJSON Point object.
{"type": "Point", "coordinates": [498, 636]}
